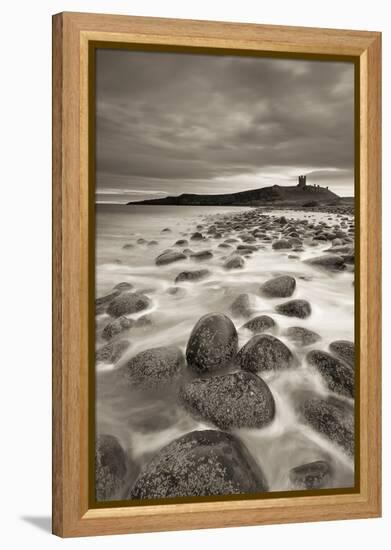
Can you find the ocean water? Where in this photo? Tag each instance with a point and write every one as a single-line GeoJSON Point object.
{"type": "Point", "coordinates": [144, 426]}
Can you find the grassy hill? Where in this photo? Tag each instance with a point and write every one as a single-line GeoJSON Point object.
{"type": "Point", "coordinates": [275, 195]}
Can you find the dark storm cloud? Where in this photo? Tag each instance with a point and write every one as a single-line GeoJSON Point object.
{"type": "Point", "coordinates": [167, 121]}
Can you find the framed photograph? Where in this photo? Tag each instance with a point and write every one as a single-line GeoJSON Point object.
{"type": "Point", "coordinates": [216, 298]}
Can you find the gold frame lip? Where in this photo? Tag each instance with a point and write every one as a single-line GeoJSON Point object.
{"type": "Point", "coordinates": [71, 513]}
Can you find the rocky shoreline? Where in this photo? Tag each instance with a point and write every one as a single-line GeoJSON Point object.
{"type": "Point", "coordinates": [218, 381]}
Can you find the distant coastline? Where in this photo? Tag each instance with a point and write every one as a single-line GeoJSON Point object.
{"type": "Point", "coordinates": [276, 195]}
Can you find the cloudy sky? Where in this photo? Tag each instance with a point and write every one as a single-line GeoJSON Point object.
{"type": "Point", "coordinates": [171, 123]}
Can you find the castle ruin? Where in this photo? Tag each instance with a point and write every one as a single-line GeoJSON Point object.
{"type": "Point", "coordinates": [302, 182]}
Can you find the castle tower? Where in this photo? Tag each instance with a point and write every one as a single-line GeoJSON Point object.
{"type": "Point", "coordinates": [302, 181]}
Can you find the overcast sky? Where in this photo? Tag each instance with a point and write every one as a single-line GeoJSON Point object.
{"type": "Point", "coordinates": [171, 123]}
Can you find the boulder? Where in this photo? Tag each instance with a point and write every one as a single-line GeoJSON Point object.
{"type": "Point", "coordinates": [338, 376]}
{"type": "Point", "coordinates": [196, 236]}
{"type": "Point", "coordinates": [169, 257]}
{"type": "Point", "coordinates": [279, 287]}
{"type": "Point", "coordinates": [110, 468]}
{"type": "Point", "coordinates": [117, 327]}
{"type": "Point", "coordinates": [332, 262]}
{"type": "Point", "coordinates": [314, 475]}
{"type": "Point", "coordinates": [127, 303]}
{"type": "Point", "coordinates": [213, 343]}
{"type": "Point", "coordinates": [102, 302]}
{"type": "Point", "coordinates": [281, 244]}
{"type": "Point", "coordinates": [202, 255]}
{"type": "Point", "coordinates": [200, 463]}
{"type": "Point", "coordinates": [112, 351]}
{"type": "Point", "coordinates": [302, 336]}
{"type": "Point", "coordinates": [344, 350]}
{"type": "Point", "coordinates": [332, 418]}
{"type": "Point", "coordinates": [241, 306]}
{"type": "Point", "coordinates": [259, 324]}
{"type": "Point", "coordinates": [295, 308]}
{"type": "Point", "coordinates": [234, 262]}
{"type": "Point", "coordinates": [155, 368]}
{"type": "Point", "coordinates": [191, 276]}
{"type": "Point", "coordinates": [122, 287]}
{"type": "Point", "coordinates": [238, 400]}
{"type": "Point", "coordinates": [264, 352]}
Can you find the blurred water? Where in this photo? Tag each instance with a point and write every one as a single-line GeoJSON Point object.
{"type": "Point", "coordinates": [145, 426]}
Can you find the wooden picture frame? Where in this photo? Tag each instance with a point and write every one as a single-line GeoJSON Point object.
{"type": "Point", "coordinates": [73, 250]}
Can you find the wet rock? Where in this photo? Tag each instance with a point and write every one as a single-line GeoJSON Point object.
{"type": "Point", "coordinates": [200, 463]}
{"type": "Point", "coordinates": [241, 306]}
{"type": "Point", "coordinates": [279, 287]}
{"type": "Point", "coordinates": [176, 291]}
{"type": "Point", "coordinates": [112, 351]}
{"type": "Point", "coordinates": [123, 287]}
{"type": "Point", "coordinates": [213, 343]}
{"type": "Point", "coordinates": [128, 302]}
{"type": "Point", "coordinates": [295, 308]}
{"type": "Point", "coordinates": [182, 242]}
{"type": "Point", "coordinates": [234, 262]}
{"type": "Point", "coordinates": [110, 468]}
{"type": "Point", "coordinates": [259, 324]}
{"type": "Point", "coordinates": [344, 350]}
{"type": "Point", "coordinates": [155, 368]}
{"type": "Point", "coordinates": [196, 236]}
{"type": "Point", "coordinates": [333, 418]}
{"type": "Point", "coordinates": [314, 475]}
{"type": "Point", "coordinates": [238, 400]}
{"type": "Point", "coordinates": [281, 244]}
{"type": "Point", "coordinates": [190, 276]}
{"type": "Point", "coordinates": [264, 352]}
{"type": "Point", "coordinates": [102, 302]}
{"type": "Point", "coordinates": [338, 376]}
{"type": "Point", "coordinates": [117, 327]}
{"type": "Point", "coordinates": [202, 255]}
{"type": "Point", "coordinates": [169, 257]}
{"type": "Point", "coordinates": [302, 336]}
{"type": "Point", "coordinates": [331, 262]}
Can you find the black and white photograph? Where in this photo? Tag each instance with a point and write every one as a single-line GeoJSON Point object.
{"type": "Point", "coordinates": [224, 275]}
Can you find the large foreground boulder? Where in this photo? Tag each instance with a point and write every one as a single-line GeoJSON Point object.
{"type": "Point", "coordinates": [314, 475]}
{"type": "Point", "coordinates": [338, 376]}
{"type": "Point", "coordinates": [344, 350]}
{"type": "Point", "coordinates": [110, 468]}
{"type": "Point", "coordinates": [155, 368]}
{"type": "Point", "coordinates": [213, 343]}
{"type": "Point", "coordinates": [264, 352]}
{"type": "Point", "coordinates": [279, 287]}
{"type": "Point", "coordinates": [127, 303]}
{"type": "Point", "coordinates": [333, 418]}
{"type": "Point", "coordinates": [295, 308]}
{"type": "Point", "coordinates": [238, 400]}
{"type": "Point", "coordinates": [200, 463]}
